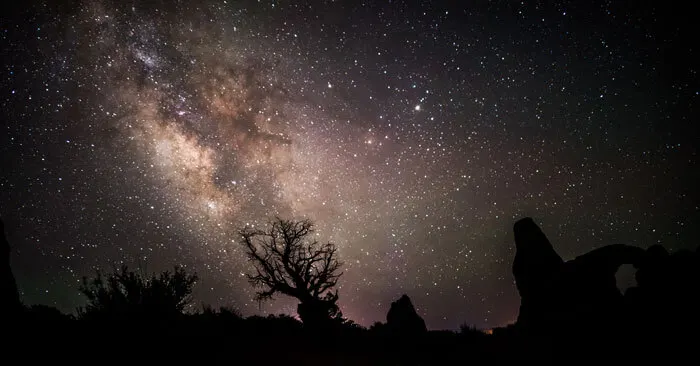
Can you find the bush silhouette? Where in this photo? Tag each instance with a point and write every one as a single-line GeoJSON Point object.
{"type": "Point", "coordinates": [126, 294]}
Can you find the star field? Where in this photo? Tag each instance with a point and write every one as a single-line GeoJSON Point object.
{"type": "Point", "coordinates": [413, 134]}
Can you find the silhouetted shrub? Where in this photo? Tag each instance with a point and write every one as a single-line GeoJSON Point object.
{"type": "Point", "coordinates": [377, 327]}
{"type": "Point", "coordinates": [46, 315]}
{"type": "Point", "coordinates": [126, 294]}
{"type": "Point", "coordinates": [278, 325]}
{"type": "Point", "coordinates": [224, 312]}
{"type": "Point", "coordinates": [466, 329]}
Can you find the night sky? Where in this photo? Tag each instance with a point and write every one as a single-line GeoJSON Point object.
{"type": "Point", "coordinates": [413, 133]}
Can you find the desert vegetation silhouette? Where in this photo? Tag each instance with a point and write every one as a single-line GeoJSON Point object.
{"type": "Point", "coordinates": [125, 295]}
{"type": "Point", "coordinates": [289, 260]}
{"type": "Point", "coordinates": [568, 309]}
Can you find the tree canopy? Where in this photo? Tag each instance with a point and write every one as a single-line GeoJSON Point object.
{"type": "Point", "coordinates": [287, 259]}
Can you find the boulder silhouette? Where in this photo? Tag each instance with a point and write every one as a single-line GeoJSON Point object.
{"type": "Point", "coordinates": [9, 297]}
{"type": "Point", "coordinates": [578, 293]}
{"type": "Point", "coordinates": [402, 318]}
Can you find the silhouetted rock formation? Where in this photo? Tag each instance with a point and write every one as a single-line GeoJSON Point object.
{"type": "Point", "coordinates": [574, 294]}
{"type": "Point", "coordinates": [667, 296]}
{"type": "Point", "coordinates": [402, 318]}
{"type": "Point", "coordinates": [592, 286]}
{"type": "Point", "coordinates": [9, 297]}
{"type": "Point", "coordinates": [536, 267]}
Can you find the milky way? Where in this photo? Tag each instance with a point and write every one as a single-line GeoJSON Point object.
{"type": "Point", "coordinates": [412, 135]}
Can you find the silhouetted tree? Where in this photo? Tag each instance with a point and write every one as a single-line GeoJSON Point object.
{"type": "Point", "coordinates": [128, 294]}
{"type": "Point", "coordinates": [288, 260]}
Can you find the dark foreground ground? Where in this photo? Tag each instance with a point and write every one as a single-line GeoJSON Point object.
{"type": "Point", "coordinates": [284, 341]}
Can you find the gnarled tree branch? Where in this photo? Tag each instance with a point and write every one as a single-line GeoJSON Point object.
{"type": "Point", "coordinates": [287, 260]}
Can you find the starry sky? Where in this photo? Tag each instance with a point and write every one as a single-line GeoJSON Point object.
{"type": "Point", "coordinates": [414, 134]}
